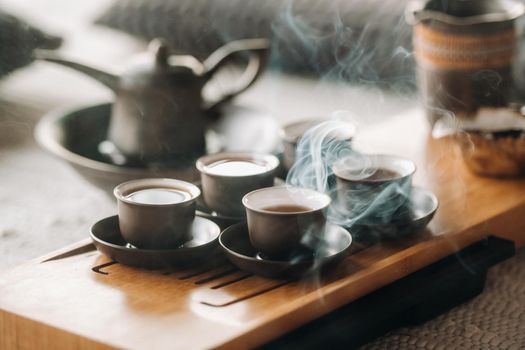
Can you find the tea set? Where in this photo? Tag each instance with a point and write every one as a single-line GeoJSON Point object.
{"type": "Point", "coordinates": [262, 225]}
{"type": "Point", "coordinates": [153, 141]}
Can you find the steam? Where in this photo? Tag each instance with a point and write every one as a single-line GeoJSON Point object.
{"type": "Point", "coordinates": [319, 150]}
{"type": "Point", "coordinates": [370, 46]}
{"type": "Point", "coordinates": [365, 42]}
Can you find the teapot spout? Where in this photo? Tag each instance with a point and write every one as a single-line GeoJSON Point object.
{"type": "Point", "coordinates": [108, 79]}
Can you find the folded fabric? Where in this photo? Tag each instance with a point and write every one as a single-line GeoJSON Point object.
{"type": "Point", "coordinates": [366, 41]}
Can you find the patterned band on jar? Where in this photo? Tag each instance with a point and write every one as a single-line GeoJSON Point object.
{"type": "Point", "coordinates": [448, 51]}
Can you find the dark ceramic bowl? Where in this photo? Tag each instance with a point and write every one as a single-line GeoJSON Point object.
{"type": "Point", "coordinates": [75, 135]}
{"type": "Point", "coordinates": [235, 242]}
{"type": "Point", "coordinates": [107, 238]}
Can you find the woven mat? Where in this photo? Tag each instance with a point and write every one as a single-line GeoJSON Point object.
{"type": "Point", "coordinates": [493, 320]}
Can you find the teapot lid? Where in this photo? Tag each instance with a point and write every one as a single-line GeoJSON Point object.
{"type": "Point", "coordinates": [157, 67]}
{"type": "Point", "coordinates": [464, 12]}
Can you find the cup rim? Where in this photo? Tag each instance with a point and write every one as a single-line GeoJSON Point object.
{"type": "Point", "coordinates": [246, 205]}
{"type": "Point", "coordinates": [285, 134]}
{"type": "Point", "coordinates": [288, 136]}
{"type": "Point", "coordinates": [120, 190]}
{"type": "Point", "coordinates": [204, 161]}
{"type": "Point", "coordinates": [411, 172]}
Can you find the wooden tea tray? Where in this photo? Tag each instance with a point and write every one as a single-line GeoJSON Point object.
{"type": "Point", "coordinates": [77, 298]}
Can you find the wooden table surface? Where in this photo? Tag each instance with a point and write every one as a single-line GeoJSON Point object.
{"type": "Point", "coordinates": [77, 298]}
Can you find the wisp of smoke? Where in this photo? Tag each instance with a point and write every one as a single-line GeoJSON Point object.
{"type": "Point", "coordinates": [317, 152]}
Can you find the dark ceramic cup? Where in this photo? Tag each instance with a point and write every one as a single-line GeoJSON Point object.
{"type": "Point", "coordinates": [283, 219]}
{"type": "Point", "coordinates": [292, 133]}
{"type": "Point", "coordinates": [156, 213]}
{"type": "Point", "coordinates": [373, 188]}
{"type": "Point", "coordinates": [223, 189]}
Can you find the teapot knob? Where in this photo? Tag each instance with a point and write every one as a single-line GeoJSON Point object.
{"type": "Point", "coordinates": [161, 51]}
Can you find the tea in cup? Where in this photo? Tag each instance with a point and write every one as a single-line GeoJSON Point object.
{"type": "Point", "coordinates": [156, 213]}
{"type": "Point", "coordinates": [373, 188]}
{"type": "Point", "coordinates": [283, 219]}
{"type": "Point", "coordinates": [227, 177]}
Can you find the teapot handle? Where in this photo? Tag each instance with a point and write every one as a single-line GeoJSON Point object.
{"type": "Point", "coordinates": [259, 49]}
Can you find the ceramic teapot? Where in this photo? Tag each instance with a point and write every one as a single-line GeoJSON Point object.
{"type": "Point", "coordinates": [159, 113]}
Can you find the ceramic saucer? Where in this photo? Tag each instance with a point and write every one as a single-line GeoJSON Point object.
{"type": "Point", "coordinates": [223, 221]}
{"type": "Point", "coordinates": [107, 238]}
{"type": "Point", "coordinates": [235, 242]}
{"type": "Point", "coordinates": [414, 218]}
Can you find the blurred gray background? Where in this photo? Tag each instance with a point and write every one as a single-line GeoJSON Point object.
{"type": "Point", "coordinates": [45, 205]}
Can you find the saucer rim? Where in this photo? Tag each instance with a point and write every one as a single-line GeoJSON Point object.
{"type": "Point", "coordinates": [428, 215]}
{"type": "Point", "coordinates": [285, 262]}
{"type": "Point", "coordinates": [152, 251]}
